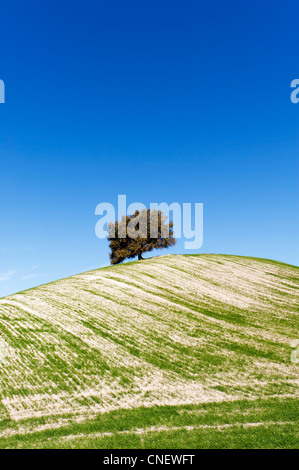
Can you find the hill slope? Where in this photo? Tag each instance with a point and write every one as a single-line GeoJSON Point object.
{"type": "Point", "coordinates": [174, 331]}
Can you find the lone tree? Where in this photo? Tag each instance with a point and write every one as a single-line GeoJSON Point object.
{"type": "Point", "coordinates": [138, 233]}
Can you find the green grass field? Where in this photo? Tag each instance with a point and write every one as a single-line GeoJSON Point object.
{"type": "Point", "coordinates": [172, 352]}
{"type": "Point", "coordinates": [271, 423]}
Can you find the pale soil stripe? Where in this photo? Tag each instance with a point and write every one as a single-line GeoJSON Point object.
{"type": "Point", "coordinates": [154, 429]}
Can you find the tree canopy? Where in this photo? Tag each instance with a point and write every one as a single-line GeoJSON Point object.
{"type": "Point", "coordinates": [139, 233]}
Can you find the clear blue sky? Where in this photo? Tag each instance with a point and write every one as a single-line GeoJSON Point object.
{"type": "Point", "coordinates": [162, 101]}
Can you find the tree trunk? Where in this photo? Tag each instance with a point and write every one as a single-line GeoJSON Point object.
{"type": "Point", "coordinates": [139, 256]}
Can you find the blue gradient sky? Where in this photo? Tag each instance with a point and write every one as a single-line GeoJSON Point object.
{"type": "Point", "coordinates": [161, 101]}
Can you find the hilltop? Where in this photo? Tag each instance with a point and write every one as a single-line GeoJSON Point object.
{"type": "Point", "coordinates": [171, 346]}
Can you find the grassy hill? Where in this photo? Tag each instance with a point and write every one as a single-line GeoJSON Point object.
{"type": "Point", "coordinates": [174, 351]}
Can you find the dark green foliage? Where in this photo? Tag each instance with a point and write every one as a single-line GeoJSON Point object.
{"type": "Point", "coordinates": [139, 233]}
